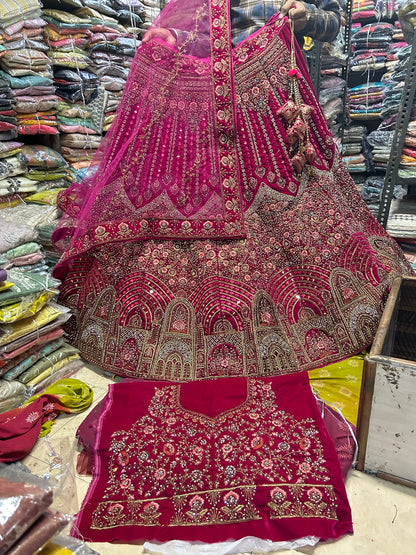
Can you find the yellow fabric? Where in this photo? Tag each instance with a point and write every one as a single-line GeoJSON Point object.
{"type": "Point", "coordinates": [27, 325]}
{"type": "Point", "coordinates": [44, 197]}
{"type": "Point", "coordinates": [28, 306]}
{"type": "Point", "coordinates": [6, 285]}
{"type": "Point", "coordinates": [339, 385]}
{"type": "Point", "coordinates": [73, 394]}
{"type": "Point", "coordinates": [57, 366]}
{"type": "Point", "coordinates": [54, 549]}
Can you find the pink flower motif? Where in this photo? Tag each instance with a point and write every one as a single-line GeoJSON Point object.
{"type": "Point", "coordinates": [198, 451]}
{"type": "Point", "coordinates": [305, 443]}
{"type": "Point", "coordinates": [171, 420]}
{"type": "Point", "coordinates": [267, 464]}
{"type": "Point", "coordinates": [115, 509]}
{"type": "Point", "coordinates": [278, 494]}
{"type": "Point", "coordinates": [124, 484]}
{"type": "Point", "coordinates": [151, 507]}
{"type": "Point", "coordinates": [123, 458]}
{"type": "Point", "coordinates": [227, 448]}
{"type": "Point", "coordinates": [148, 429]}
{"type": "Point", "coordinates": [196, 503]}
{"type": "Point", "coordinates": [305, 467]}
{"type": "Point", "coordinates": [257, 442]}
{"type": "Point", "coordinates": [100, 230]}
{"type": "Point", "coordinates": [169, 449]}
{"type": "Point", "coordinates": [314, 495]}
{"type": "Point", "coordinates": [160, 473]}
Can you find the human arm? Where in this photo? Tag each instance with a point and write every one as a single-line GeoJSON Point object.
{"type": "Point", "coordinates": [320, 20]}
{"type": "Point", "coordinates": [160, 33]}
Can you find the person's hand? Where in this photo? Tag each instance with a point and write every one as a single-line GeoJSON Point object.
{"type": "Point", "coordinates": [160, 33]}
{"type": "Point", "coordinates": [298, 13]}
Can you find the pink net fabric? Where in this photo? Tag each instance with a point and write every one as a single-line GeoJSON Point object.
{"type": "Point", "coordinates": [179, 155]}
{"type": "Point", "coordinates": [168, 167]}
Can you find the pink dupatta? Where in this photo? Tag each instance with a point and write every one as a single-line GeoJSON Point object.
{"type": "Point", "coordinates": [178, 162]}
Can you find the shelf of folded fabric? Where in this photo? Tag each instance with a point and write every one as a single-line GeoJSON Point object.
{"type": "Point", "coordinates": [332, 86]}
{"type": "Point", "coordinates": [399, 218]}
{"type": "Point", "coordinates": [368, 11]}
{"type": "Point", "coordinates": [92, 45]}
{"type": "Point", "coordinates": [28, 99]}
{"type": "Point", "coordinates": [333, 75]}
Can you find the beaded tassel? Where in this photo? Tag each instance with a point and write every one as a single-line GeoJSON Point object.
{"type": "Point", "coordinates": [297, 113]}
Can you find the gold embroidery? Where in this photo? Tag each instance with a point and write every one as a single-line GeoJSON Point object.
{"type": "Point", "coordinates": [178, 467]}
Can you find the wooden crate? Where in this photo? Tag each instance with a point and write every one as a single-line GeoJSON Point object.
{"type": "Point", "coordinates": [386, 427]}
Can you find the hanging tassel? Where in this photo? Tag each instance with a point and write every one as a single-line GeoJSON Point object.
{"type": "Point", "coordinates": [289, 110]}
{"type": "Point", "coordinates": [297, 131]}
{"type": "Point", "coordinates": [310, 152]}
{"type": "Point", "coordinates": [306, 110]}
{"type": "Point", "coordinates": [298, 160]}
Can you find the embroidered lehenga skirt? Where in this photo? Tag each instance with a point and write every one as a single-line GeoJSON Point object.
{"type": "Point", "coordinates": [299, 282]}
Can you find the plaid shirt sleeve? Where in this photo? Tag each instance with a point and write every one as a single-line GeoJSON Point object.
{"type": "Point", "coordinates": [323, 20]}
{"type": "Point", "coordinates": [247, 16]}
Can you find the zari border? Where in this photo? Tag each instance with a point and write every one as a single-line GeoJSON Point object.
{"type": "Point", "coordinates": [224, 106]}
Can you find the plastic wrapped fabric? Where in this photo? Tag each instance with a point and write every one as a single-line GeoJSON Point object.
{"type": "Point", "coordinates": [21, 504]}
{"type": "Point", "coordinates": [44, 529]}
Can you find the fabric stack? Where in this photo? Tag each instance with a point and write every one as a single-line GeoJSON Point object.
{"type": "Point", "coordinates": [8, 120]}
{"type": "Point", "coordinates": [365, 101]}
{"type": "Point", "coordinates": [380, 141]}
{"type": "Point", "coordinates": [372, 189]}
{"type": "Point", "coordinates": [29, 521]}
{"type": "Point", "coordinates": [33, 216]}
{"type": "Point", "coordinates": [111, 51]}
{"type": "Point", "coordinates": [370, 46]}
{"type": "Point", "coordinates": [30, 181]}
{"type": "Point", "coordinates": [394, 81]}
{"type": "Point", "coordinates": [331, 92]}
{"type": "Point", "coordinates": [133, 14]}
{"type": "Point", "coordinates": [52, 174]}
{"type": "Point", "coordinates": [352, 148]}
{"type": "Point", "coordinates": [363, 10]}
{"type": "Point", "coordinates": [26, 68]}
{"type": "Point", "coordinates": [48, 168]}
{"type": "Point", "coordinates": [8, 194]}
{"type": "Point", "coordinates": [68, 37]}
{"type": "Point", "coordinates": [12, 169]}
{"type": "Point", "coordinates": [33, 353]}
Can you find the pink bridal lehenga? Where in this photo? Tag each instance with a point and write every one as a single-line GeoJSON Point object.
{"type": "Point", "coordinates": [221, 234]}
{"type": "Point", "coordinates": [218, 235]}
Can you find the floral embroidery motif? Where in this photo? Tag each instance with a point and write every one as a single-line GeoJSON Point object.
{"type": "Point", "coordinates": [32, 417]}
{"type": "Point", "coordinates": [180, 468]}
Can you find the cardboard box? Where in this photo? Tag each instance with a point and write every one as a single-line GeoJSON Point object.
{"type": "Point", "coordinates": [386, 427]}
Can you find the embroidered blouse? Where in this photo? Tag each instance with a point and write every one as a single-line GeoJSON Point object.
{"type": "Point", "coordinates": [230, 458]}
